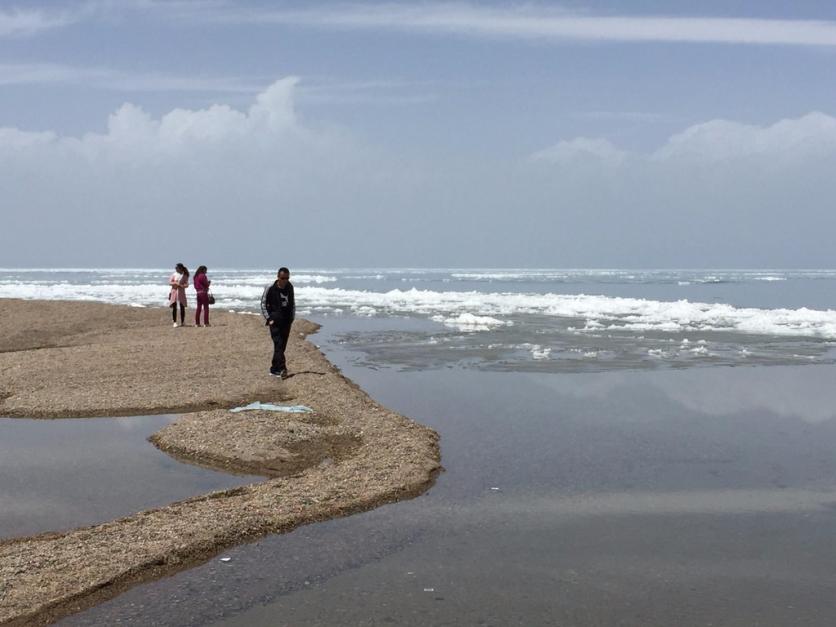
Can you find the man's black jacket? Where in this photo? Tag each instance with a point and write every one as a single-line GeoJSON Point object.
{"type": "Point", "coordinates": [278, 304]}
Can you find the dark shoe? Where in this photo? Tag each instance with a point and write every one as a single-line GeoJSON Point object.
{"type": "Point", "coordinates": [275, 373]}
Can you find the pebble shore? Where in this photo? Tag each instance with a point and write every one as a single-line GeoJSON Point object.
{"type": "Point", "coordinates": [79, 359]}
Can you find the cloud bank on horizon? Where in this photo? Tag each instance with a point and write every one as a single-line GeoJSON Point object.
{"type": "Point", "coordinates": [248, 183]}
{"type": "Point", "coordinates": [423, 134]}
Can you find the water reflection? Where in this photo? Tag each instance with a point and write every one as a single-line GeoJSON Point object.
{"type": "Point", "coordinates": [789, 392]}
{"type": "Point", "coordinates": [61, 474]}
{"type": "Point", "coordinates": [606, 498]}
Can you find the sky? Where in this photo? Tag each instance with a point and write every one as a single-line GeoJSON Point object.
{"type": "Point", "coordinates": [642, 134]}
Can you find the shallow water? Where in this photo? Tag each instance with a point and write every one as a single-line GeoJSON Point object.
{"type": "Point", "coordinates": [688, 497]}
{"type": "Point", "coordinates": [60, 474]}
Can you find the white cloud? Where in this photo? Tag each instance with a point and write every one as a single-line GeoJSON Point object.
{"type": "Point", "coordinates": [153, 184]}
{"type": "Point", "coordinates": [12, 139]}
{"type": "Point", "coordinates": [715, 141]}
{"type": "Point", "coordinates": [19, 22]}
{"type": "Point", "coordinates": [722, 140]}
{"type": "Point", "coordinates": [315, 90]}
{"type": "Point", "coordinates": [716, 194]}
{"type": "Point", "coordinates": [567, 152]}
{"type": "Point", "coordinates": [248, 186]}
{"type": "Point", "coordinates": [534, 22]}
{"type": "Point", "coordinates": [115, 80]}
{"type": "Point", "coordinates": [44, 73]}
{"type": "Point", "coordinates": [521, 21]}
{"type": "Point", "coordinates": [132, 131]}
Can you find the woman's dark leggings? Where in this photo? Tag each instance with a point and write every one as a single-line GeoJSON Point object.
{"type": "Point", "coordinates": [182, 312]}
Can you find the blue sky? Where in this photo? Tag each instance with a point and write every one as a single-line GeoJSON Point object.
{"type": "Point", "coordinates": [540, 134]}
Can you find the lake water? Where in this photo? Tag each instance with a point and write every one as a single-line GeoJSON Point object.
{"type": "Point", "coordinates": [676, 496]}
{"type": "Point", "coordinates": [621, 448]}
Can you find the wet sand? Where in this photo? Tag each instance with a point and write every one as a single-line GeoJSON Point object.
{"type": "Point", "coordinates": [64, 359]}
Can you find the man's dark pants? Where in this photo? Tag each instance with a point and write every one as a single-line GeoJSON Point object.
{"type": "Point", "coordinates": [279, 332]}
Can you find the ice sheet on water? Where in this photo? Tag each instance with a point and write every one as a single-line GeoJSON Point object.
{"type": "Point", "coordinates": [614, 313]}
{"type": "Point", "coordinates": [467, 310]}
{"type": "Point", "coordinates": [509, 318]}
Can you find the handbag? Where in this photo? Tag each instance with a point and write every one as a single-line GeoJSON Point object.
{"type": "Point", "coordinates": [210, 298]}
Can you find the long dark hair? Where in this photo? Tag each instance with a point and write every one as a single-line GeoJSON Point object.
{"type": "Point", "coordinates": [200, 270]}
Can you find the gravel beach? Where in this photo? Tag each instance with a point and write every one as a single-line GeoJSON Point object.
{"type": "Point", "coordinates": [80, 359]}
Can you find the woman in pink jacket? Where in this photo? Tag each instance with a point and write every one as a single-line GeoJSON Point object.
{"type": "Point", "coordinates": [178, 282]}
{"type": "Point", "coordinates": [201, 286]}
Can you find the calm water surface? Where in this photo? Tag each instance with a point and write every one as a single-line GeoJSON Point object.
{"type": "Point", "coordinates": [61, 474]}
{"type": "Point", "coordinates": [700, 496]}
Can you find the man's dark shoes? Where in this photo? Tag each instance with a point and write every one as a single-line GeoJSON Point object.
{"type": "Point", "coordinates": [275, 373]}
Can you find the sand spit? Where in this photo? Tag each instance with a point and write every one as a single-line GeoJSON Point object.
{"type": "Point", "coordinates": [60, 359]}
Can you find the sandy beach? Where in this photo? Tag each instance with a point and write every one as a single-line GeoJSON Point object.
{"type": "Point", "coordinates": [80, 359]}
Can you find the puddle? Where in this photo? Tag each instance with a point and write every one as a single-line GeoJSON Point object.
{"type": "Point", "coordinates": [66, 473]}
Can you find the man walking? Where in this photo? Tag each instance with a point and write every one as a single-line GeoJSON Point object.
{"type": "Point", "coordinates": [278, 306]}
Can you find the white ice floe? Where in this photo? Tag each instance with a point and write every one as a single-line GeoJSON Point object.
{"type": "Point", "coordinates": [462, 310]}
{"type": "Point", "coordinates": [313, 278]}
{"type": "Point", "coordinates": [511, 275]}
{"type": "Point", "coordinates": [470, 322]}
{"type": "Point", "coordinates": [611, 312]}
{"type": "Point", "coordinates": [539, 352]}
